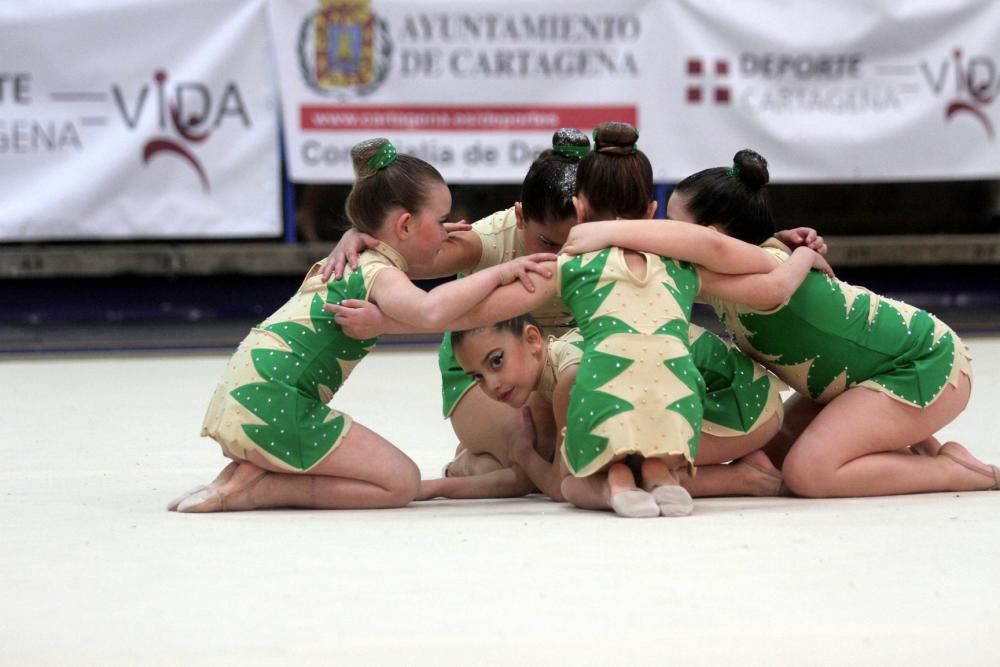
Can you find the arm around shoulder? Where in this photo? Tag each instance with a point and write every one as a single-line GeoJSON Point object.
{"type": "Point", "coordinates": [684, 241]}
{"type": "Point", "coordinates": [763, 291]}
{"type": "Point", "coordinates": [437, 310]}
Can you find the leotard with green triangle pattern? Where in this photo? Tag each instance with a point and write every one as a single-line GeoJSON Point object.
{"type": "Point", "coordinates": [272, 397]}
{"type": "Point", "coordinates": [637, 390]}
{"type": "Point", "coordinates": [832, 336]}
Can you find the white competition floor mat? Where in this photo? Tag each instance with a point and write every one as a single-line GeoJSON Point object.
{"type": "Point", "coordinates": [94, 570]}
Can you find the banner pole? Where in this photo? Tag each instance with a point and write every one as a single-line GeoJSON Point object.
{"type": "Point", "coordinates": [287, 191]}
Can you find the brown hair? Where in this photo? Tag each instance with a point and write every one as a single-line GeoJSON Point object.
{"type": "Point", "coordinates": [616, 178]}
{"type": "Point", "coordinates": [404, 183]}
{"type": "Point", "coordinates": [514, 325]}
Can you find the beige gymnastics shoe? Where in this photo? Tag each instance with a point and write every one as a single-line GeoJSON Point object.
{"type": "Point", "coordinates": [673, 500]}
{"type": "Point", "coordinates": [635, 504]}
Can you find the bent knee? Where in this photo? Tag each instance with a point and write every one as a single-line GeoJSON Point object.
{"type": "Point", "coordinates": [804, 478]}
{"type": "Point", "coordinates": [404, 485]}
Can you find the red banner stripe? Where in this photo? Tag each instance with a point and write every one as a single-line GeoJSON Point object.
{"type": "Point", "coordinates": [459, 119]}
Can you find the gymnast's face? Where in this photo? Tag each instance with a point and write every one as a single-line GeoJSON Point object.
{"type": "Point", "coordinates": [425, 227]}
{"type": "Point", "coordinates": [549, 237]}
{"type": "Point", "coordinates": [508, 367]}
{"type": "Point", "coordinates": [542, 236]}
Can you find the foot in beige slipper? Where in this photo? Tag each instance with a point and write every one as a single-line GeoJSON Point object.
{"type": "Point", "coordinates": [173, 504]}
{"type": "Point", "coordinates": [766, 480]}
{"type": "Point", "coordinates": [634, 504]}
{"type": "Point", "coordinates": [673, 500]}
{"type": "Point", "coordinates": [236, 494]}
{"type": "Point", "coordinates": [220, 479]}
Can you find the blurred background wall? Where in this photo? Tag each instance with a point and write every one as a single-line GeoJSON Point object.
{"type": "Point", "coordinates": [170, 168]}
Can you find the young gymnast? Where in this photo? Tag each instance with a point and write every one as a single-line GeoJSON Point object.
{"type": "Point", "coordinates": [643, 300]}
{"type": "Point", "coordinates": [539, 222]}
{"type": "Point", "coordinates": [743, 407]}
{"type": "Point", "coordinates": [888, 375]}
{"type": "Point", "coordinates": [269, 411]}
{"type": "Point", "coordinates": [513, 363]}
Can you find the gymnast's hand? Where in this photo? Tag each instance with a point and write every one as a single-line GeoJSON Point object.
{"type": "Point", "coordinates": [522, 439]}
{"type": "Point", "coordinates": [460, 226]}
{"type": "Point", "coordinates": [820, 264]}
{"type": "Point", "coordinates": [586, 238]}
{"type": "Point", "coordinates": [358, 318]}
{"type": "Point", "coordinates": [353, 243]}
{"type": "Point", "coordinates": [802, 236]}
{"type": "Point", "coordinates": [346, 252]}
{"type": "Point", "coordinates": [519, 268]}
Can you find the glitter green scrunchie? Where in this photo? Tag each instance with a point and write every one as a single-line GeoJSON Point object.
{"type": "Point", "coordinates": [385, 156]}
{"type": "Point", "coordinates": [733, 171]}
{"type": "Point", "coordinates": [571, 151]}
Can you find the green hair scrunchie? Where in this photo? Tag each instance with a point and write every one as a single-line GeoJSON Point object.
{"type": "Point", "coordinates": [733, 171]}
{"type": "Point", "coordinates": [570, 151]}
{"type": "Point", "coordinates": [385, 156]}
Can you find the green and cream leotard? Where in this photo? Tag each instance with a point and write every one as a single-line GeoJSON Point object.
{"type": "Point", "coordinates": [561, 353]}
{"type": "Point", "coordinates": [832, 336]}
{"type": "Point", "coordinates": [501, 242]}
{"type": "Point", "coordinates": [741, 394]}
{"type": "Point", "coordinates": [637, 390]}
{"type": "Point", "coordinates": [272, 397]}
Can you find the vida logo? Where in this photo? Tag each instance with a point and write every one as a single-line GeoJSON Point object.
{"type": "Point", "coordinates": [189, 108]}
{"type": "Point", "coordinates": [976, 83]}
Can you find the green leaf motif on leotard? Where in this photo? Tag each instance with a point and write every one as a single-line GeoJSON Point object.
{"type": "Point", "coordinates": [586, 299]}
{"type": "Point", "coordinates": [596, 370]}
{"type": "Point", "coordinates": [351, 286]}
{"type": "Point", "coordinates": [690, 407]}
{"type": "Point", "coordinates": [685, 287]}
{"type": "Point", "coordinates": [733, 398]}
{"type": "Point", "coordinates": [301, 378]}
{"type": "Point", "coordinates": [791, 338]}
{"type": "Point", "coordinates": [603, 307]}
{"type": "Point", "coordinates": [271, 402]}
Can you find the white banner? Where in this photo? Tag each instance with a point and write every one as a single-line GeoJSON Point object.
{"type": "Point", "coordinates": [861, 90]}
{"type": "Point", "coordinates": [476, 88]}
{"type": "Point", "coordinates": [137, 119]}
{"type": "Point", "coordinates": [835, 91]}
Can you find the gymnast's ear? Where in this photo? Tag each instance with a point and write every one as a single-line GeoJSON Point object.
{"type": "Point", "coordinates": [580, 204]}
{"type": "Point", "coordinates": [651, 209]}
{"type": "Point", "coordinates": [519, 215]}
{"type": "Point", "coordinates": [533, 338]}
{"type": "Point", "coordinates": [402, 225]}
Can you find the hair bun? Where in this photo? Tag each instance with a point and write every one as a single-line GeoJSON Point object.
{"type": "Point", "coordinates": [615, 137]}
{"type": "Point", "coordinates": [363, 152]}
{"type": "Point", "coordinates": [751, 168]}
{"type": "Point", "coordinates": [570, 143]}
